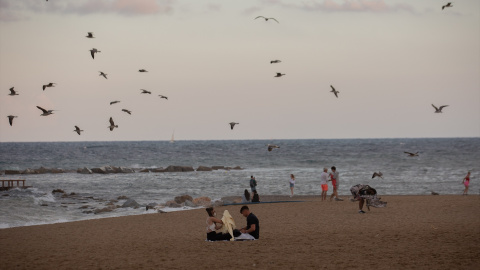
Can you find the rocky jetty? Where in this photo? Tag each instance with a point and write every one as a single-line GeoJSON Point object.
{"type": "Point", "coordinates": [113, 169]}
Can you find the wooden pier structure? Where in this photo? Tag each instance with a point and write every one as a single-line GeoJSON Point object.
{"type": "Point", "coordinates": [10, 183]}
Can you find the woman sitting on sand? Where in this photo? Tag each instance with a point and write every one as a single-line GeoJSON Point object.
{"type": "Point", "coordinates": [214, 224]}
{"type": "Point", "coordinates": [246, 196]}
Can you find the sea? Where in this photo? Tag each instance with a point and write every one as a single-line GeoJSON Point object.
{"type": "Point", "coordinates": [440, 166]}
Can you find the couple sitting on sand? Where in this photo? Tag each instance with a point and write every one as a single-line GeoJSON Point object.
{"type": "Point", "coordinates": [226, 225]}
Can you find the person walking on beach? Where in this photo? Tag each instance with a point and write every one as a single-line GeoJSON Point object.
{"type": "Point", "coordinates": [334, 177]}
{"type": "Point", "coordinates": [253, 225]}
{"type": "Point", "coordinates": [323, 183]}
{"type": "Point", "coordinates": [253, 184]}
{"type": "Point", "coordinates": [292, 183]}
{"type": "Point", "coordinates": [466, 183]}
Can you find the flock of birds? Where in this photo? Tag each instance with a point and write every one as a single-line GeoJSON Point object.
{"type": "Point", "coordinates": [46, 112]}
{"type": "Point", "coordinates": [112, 125]}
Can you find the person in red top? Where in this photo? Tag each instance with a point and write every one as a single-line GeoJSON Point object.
{"type": "Point", "coordinates": [334, 175]}
{"type": "Point", "coordinates": [466, 182]}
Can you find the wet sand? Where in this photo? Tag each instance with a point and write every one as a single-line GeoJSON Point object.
{"type": "Point", "coordinates": [412, 232]}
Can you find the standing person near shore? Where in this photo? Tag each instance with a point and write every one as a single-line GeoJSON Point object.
{"type": "Point", "coordinates": [466, 183]}
{"type": "Point", "coordinates": [334, 177]}
{"type": "Point", "coordinates": [323, 183]}
{"type": "Point", "coordinates": [292, 183]}
{"type": "Point", "coordinates": [253, 184]}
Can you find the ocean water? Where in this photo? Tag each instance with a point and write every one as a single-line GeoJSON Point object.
{"type": "Point", "coordinates": [440, 167]}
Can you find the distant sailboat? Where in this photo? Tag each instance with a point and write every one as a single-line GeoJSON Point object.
{"type": "Point", "coordinates": [172, 140]}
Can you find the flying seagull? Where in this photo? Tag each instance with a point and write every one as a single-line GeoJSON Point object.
{"type": "Point", "coordinates": [103, 74]}
{"type": "Point", "coordinates": [162, 96]}
{"type": "Point", "coordinates": [113, 102]}
{"type": "Point", "coordinates": [449, 4]}
{"type": "Point", "coordinates": [379, 174]}
{"type": "Point", "coordinates": [93, 51]}
{"type": "Point", "coordinates": [90, 35]}
{"type": "Point", "coordinates": [13, 92]}
{"type": "Point", "coordinates": [334, 91]}
{"type": "Point", "coordinates": [127, 111]}
{"type": "Point", "coordinates": [232, 124]}
{"type": "Point", "coordinates": [48, 85]}
{"type": "Point", "coordinates": [78, 130]}
{"type": "Point", "coordinates": [271, 147]}
{"type": "Point", "coordinates": [45, 112]}
{"type": "Point", "coordinates": [142, 70]}
{"type": "Point", "coordinates": [275, 61]}
{"type": "Point", "coordinates": [266, 19]}
{"type": "Point", "coordinates": [10, 119]}
{"type": "Point", "coordinates": [112, 124]}
{"type": "Point", "coordinates": [279, 75]}
{"type": "Point", "coordinates": [412, 154]}
{"type": "Point", "coordinates": [145, 91]}
{"type": "Point", "coordinates": [439, 110]}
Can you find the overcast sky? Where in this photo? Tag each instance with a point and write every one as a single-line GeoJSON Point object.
{"type": "Point", "coordinates": [390, 60]}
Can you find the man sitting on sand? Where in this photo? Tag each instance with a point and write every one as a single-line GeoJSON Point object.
{"type": "Point", "coordinates": [253, 225]}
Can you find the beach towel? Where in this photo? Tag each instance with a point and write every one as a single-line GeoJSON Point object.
{"type": "Point", "coordinates": [228, 224]}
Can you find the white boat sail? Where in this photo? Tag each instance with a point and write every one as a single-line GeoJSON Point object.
{"type": "Point", "coordinates": [172, 140]}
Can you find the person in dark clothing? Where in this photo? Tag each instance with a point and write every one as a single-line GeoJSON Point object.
{"type": "Point", "coordinates": [253, 225]}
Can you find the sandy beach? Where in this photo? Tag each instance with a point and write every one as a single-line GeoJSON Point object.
{"type": "Point", "coordinates": [412, 232]}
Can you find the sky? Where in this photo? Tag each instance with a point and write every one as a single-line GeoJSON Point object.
{"type": "Point", "coordinates": [390, 60]}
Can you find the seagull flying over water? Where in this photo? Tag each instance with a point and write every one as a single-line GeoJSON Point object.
{"type": "Point", "coordinates": [113, 102]}
{"type": "Point", "coordinates": [275, 61]}
{"type": "Point", "coordinates": [78, 130]}
{"type": "Point", "coordinates": [142, 70]}
{"type": "Point", "coordinates": [13, 92]}
{"type": "Point", "coordinates": [266, 19]}
{"type": "Point", "coordinates": [10, 119]}
{"type": "Point", "coordinates": [112, 124]}
{"type": "Point", "coordinates": [145, 91]}
{"type": "Point", "coordinates": [162, 96]}
{"type": "Point", "coordinates": [279, 75]}
{"type": "Point", "coordinates": [127, 111]}
{"type": "Point", "coordinates": [379, 174]}
{"type": "Point", "coordinates": [449, 4]}
{"type": "Point", "coordinates": [334, 91]}
{"type": "Point", "coordinates": [103, 74]}
{"type": "Point", "coordinates": [93, 51]}
{"type": "Point", "coordinates": [232, 124]}
{"type": "Point", "coordinates": [90, 35]}
{"type": "Point", "coordinates": [439, 110]}
{"type": "Point", "coordinates": [412, 154]}
{"type": "Point", "coordinates": [270, 147]}
{"type": "Point", "coordinates": [48, 85]}
{"type": "Point", "coordinates": [45, 112]}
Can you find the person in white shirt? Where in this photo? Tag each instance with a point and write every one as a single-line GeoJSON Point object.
{"type": "Point", "coordinates": [323, 183]}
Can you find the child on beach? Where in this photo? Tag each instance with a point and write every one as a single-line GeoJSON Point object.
{"type": "Point", "coordinates": [466, 183]}
{"type": "Point", "coordinates": [292, 183]}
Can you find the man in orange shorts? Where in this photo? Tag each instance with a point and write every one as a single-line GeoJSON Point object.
{"type": "Point", "coordinates": [323, 182]}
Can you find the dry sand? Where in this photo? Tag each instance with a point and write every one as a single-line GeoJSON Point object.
{"type": "Point", "coordinates": [412, 232]}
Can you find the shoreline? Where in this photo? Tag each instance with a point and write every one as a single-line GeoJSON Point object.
{"type": "Point", "coordinates": [234, 201]}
